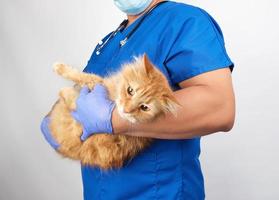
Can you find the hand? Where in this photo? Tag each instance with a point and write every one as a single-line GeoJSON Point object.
{"type": "Point", "coordinates": [46, 132]}
{"type": "Point", "coordinates": [94, 111]}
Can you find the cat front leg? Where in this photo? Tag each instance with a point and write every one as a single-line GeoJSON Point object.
{"type": "Point", "coordinates": [69, 96]}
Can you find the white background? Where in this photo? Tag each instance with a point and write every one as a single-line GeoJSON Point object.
{"type": "Point", "coordinates": [240, 165]}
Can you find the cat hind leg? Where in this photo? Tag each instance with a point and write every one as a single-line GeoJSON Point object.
{"type": "Point", "coordinates": [81, 78]}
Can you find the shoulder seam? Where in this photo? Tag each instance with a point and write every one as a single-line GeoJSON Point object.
{"type": "Point", "coordinates": [216, 35]}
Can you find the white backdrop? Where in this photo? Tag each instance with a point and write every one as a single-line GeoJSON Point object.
{"type": "Point", "coordinates": [240, 165]}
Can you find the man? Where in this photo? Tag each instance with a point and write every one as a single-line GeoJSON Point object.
{"type": "Point", "coordinates": [187, 45]}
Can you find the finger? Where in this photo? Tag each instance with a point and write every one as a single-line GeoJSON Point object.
{"type": "Point", "coordinates": [84, 91]}
{"type": "Point", "coordinates": [99, 89]}
{"type": "Point", "coordinates": [44, 125]}
{"type": "Point", "coordinates": [84, 135]}
{"type": "Point", "coordinates": [47, 134]}
{"type": "Point", "coordinates": [75, 116]}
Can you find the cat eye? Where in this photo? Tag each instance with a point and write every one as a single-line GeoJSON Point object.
{"type": "Point", "coordinates": [144, 107]}
{"type": "Point", "coordinates": [130, 91]}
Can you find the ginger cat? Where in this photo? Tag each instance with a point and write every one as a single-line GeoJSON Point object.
{"type": "Point", "coordinates": [138, 84]}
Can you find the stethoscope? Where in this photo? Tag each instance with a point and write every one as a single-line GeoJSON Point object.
{"type": "Point", "coordinates": [121, 27]}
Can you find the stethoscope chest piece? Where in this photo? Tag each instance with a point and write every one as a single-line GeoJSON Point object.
{"type": "Point", "coordinates": [123, 42]}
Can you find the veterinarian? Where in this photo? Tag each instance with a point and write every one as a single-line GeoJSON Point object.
{"type": "Point", "coordinates": [187, 45]}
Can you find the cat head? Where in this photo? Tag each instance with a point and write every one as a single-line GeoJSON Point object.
{"type": "Point", "coordinates": [143, 92]}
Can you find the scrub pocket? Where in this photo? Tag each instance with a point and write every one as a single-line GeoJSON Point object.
{"type": "Point", "coordinates": [136, 180]}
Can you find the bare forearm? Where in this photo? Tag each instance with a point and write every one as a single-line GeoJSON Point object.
{"type": "Point", "coordinates": [203, 111]}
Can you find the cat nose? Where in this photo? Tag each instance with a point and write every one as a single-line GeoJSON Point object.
{"type": "Point", "coordinates": [128, 109]}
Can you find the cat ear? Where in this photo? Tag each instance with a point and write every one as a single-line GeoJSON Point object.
{"type": "Point", "coordinates": [148, 66]}
{"type": "Point", "coordinates": [170, 104]}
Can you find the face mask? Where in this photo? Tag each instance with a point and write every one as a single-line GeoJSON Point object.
{"type": "Point", "coordinates": [132, 7]}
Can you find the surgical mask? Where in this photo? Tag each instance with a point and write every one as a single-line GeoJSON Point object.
{"type": "Point", "coordinates": [132, 7]}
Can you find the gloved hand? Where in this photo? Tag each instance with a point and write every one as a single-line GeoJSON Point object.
{"type": "Point", "coordinates": [46, 132]}
{"type": "Point", "coordinates": [94, 111]}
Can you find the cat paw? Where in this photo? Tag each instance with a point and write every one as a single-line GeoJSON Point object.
{"type": "Point", "coordinates": [59, 68]}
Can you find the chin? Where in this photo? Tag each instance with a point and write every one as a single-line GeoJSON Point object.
{"type": "Point", "coordinates": [131, 119]}
{"type": "Point", "coordinates": [125, 115]}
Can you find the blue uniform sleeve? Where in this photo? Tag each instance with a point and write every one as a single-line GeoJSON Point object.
{"type": "Point", "coordinates": [197, 48]}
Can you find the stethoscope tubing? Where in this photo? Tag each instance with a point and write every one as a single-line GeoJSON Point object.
{"type": "Point", "coordinates": [122, 26]}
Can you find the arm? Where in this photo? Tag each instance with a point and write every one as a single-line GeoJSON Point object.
{"type": "Point", "coordinates": [207, 106]}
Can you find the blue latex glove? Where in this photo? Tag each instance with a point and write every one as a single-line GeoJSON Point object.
{"type": "Point", "coordinates": [94, 111]}
{"type": "Point", "coordinates": [46, 132]}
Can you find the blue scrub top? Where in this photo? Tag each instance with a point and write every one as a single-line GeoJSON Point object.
{"type": "Point", "coordinates": [182, 41]}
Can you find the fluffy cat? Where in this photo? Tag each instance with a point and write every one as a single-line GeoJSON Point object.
{"type": "Point", "coordinates": [141, 93]}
